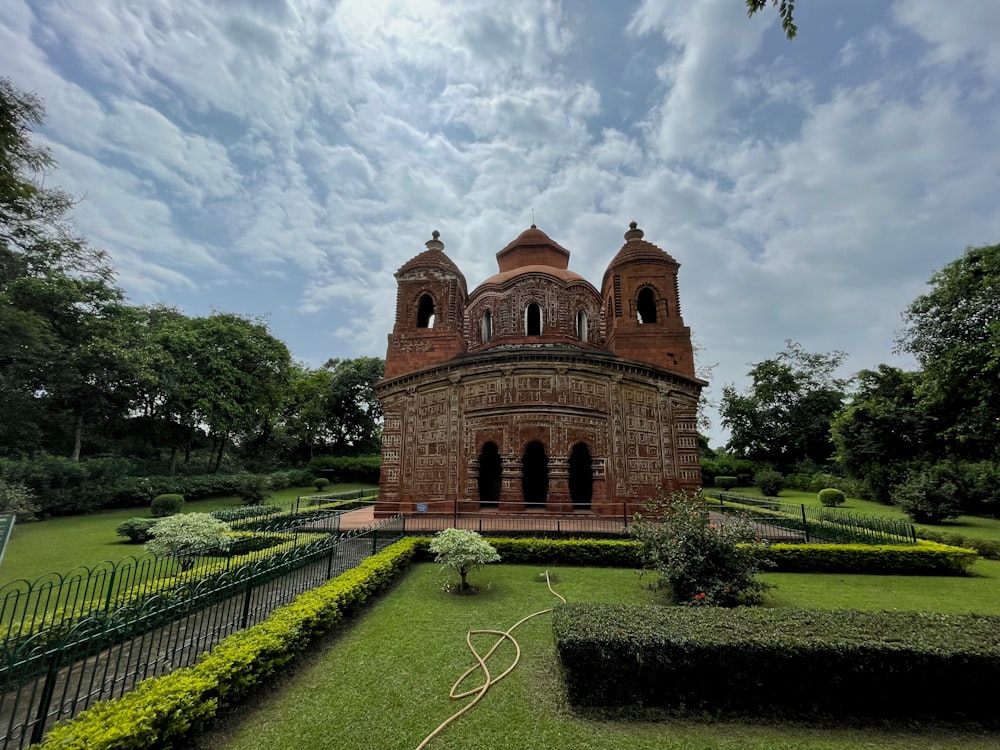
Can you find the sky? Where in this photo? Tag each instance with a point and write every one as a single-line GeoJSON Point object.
{"type": "Point", "coordinates": [283, 158]}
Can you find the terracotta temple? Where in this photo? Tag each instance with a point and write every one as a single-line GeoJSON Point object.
{"type": "Point", "coordinates": [537, 392]}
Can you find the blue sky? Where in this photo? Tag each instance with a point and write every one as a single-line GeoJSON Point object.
{"type": "Point", "coordinates": [285, 157]}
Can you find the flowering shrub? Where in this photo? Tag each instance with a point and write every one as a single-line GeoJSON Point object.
{"type": "Point", "coordinates": [699, 562]}
{"type": "Point", "coordinates": [187, 536]}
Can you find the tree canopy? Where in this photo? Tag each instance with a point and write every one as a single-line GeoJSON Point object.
{"type": "Point", "coordinates": [786, 12]}
{"type": "Point", "coordinates": [783, 417]}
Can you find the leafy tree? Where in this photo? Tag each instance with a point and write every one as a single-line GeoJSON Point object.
{"type": "Point", "coordinates": [17, 499]}
{"type": "Point", "coordinates": [699, 562]}
{"type": "Point", "coordinates": [786, 12]}
{"type": "Point", "coordinates": [354, 413]}
{"type": "Point", "coordinates": [783, 418]}
{"type": "Point", "coordinates": [463, 551]}
{"type": "Point", "coordinates": [186, 536]}
{"type": "Point", "coordinates": [954, 332]}
{"type": "Point", "coordinates": [927, 496]}
{"type": "Point", "coordinates": [884, 426]}
{"type": "Point", "coordinates": [769, 481]}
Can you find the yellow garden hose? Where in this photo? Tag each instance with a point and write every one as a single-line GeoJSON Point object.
{"type": "Point", "coordinates": [488, 680]}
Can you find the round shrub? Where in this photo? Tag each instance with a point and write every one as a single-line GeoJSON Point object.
{"type": "Point", "coordinates": [166, 505]}
{"type": "Point", "coordinates": [136, 530]}
{"type": "Point", "coordinates": [926, 497]}
{"type": "Point", "coordinates": [253, 489]}
{"type": "Point", "coordinates": [725, 483]}
{"type": "Point", "coordinates": [769, 481]}
{"type": "Point", "coordinates": [321, 483]}
{"type": "Point", "coordinates": [831, 497]}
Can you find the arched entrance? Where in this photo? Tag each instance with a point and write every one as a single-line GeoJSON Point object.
{"type": "Point", "coordinates": [535, 475]}
{"type": "Point", "coordinates": [489, 475]}
{"type": "Point", "coordinates": [581, 477]}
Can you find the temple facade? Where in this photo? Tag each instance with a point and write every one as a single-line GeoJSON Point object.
{"type": "Point", "coordinates": [536, 392]}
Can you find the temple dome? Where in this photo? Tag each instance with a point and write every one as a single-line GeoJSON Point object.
{"type": "Point", "coordinates": [638, 250]}
{"type": "Point", "coordinates": [432, 258]}
{"type": "Point", "coordinates": [532, 248]}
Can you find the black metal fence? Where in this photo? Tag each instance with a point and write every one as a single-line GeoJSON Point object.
{"type": "Point", "coordinates": [809, 524]}
{"type": "Point", "coordinates": [92, 635]}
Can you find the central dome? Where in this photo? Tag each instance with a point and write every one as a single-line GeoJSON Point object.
{"type": "Point", "coordinates": [533, 248]}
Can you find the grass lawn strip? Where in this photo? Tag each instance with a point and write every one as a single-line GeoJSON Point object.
{"type": "Point", "coordinates": [385, 682]}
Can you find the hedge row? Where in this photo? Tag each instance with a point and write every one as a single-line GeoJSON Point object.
{"type": "Point", "coordinates": [985, 547]}
{"type": "Point", "coordinates": [348, 468]}
{"type": "Point", "coordinates": [161, 711]}
{"type": "Point", "coordinates": [793, 661]}
{"type": "Point", "coordinates": [921, 559]}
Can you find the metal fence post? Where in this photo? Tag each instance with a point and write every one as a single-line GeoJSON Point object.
{"type": "Point", "coordinates": [374, 540]}
{"type": "Point", "coordinates": [805, 523]}
{"type": "Point", "coordinates": [246, 603]}
{"type": "Point", "coordinates": [38, 731]}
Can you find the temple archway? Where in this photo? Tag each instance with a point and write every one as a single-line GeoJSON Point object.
{"type": "Point", "coordinates": [490, 468]}
{"type": "Point", "coordinates": [581, 477]}
{"type": "Point", "coordinates": [535, 474]}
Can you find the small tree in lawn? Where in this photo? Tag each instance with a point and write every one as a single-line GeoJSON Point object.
{"type": "Point", "coordinates": [462, 551]}
{"type": "Point", "coordinates": [186, 536]}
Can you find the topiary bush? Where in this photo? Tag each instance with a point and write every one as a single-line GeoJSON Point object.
{"type": "Point", "coordinates": [321, 483]}
{"type": "Point", "coordinates": [725, 483]}
{"type": "Point", "coordinates": [769, 481]}
{"type": "Point", "coordinates": [136, 530]}
{"type": "Point", "coordinates": [831, 497]}
{"type": "Point", "coordinates": [166, 505]}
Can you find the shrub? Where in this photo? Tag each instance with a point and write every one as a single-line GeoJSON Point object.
{"type": "Point", "coordinates": [985, 547]}
{"type": "Point", "coordinates": [136, 530]}
{"type": "Point", "coordinates": [348, 468]}
{"type": "Point", "coordinates": [831, 497]}
{"type": "Point", "coordinates": [462, 551]}
{"type": "Point", "coordinates": [166, 505]}
{"type": "Point", "coordinates": [926, 498]}
{"type": "Point", "coordinates": [921, 559]}
{"type": "Point", "coordinates": [229, 515]}
{"type": "Point", "coordinates": [698, 562]}
{"type": "Point", "coordinates": [253, 489]}
{"type": "Point", "coordinates": [769, 481]}
{"type": "Point", "coordinates": [725, 483]}
{"type": "Point", "coordinates": [761, 660]}
{"type": "Point", "coordinates": [321, 483]}
{"type": "Point", "coordinates": [17, 499]}
{"type": "Point", "coordinates": [187, 536]}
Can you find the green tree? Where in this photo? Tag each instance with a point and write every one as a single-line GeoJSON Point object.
{"type": "Point", "coordinates": [354, 413]}
{"type": "Point", "coordinates": [783, 418]}
{"type": "Point", "coordinates": [786, 12]}
{"type": "Point", "coordinates": [954, 332]}
{"type": "Point", "coordinates": [462, 551]}
{"type": "Point", "coordinates": [187, 536]}
{"type": "Point", "coordinates": [305, 410]}
{"type": "Point", "coordinates": [883, 428]}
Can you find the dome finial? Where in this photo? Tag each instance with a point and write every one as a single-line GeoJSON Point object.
{"type": "Point", "coordinates": [633, 233]}
{"type": "Point", "coordinates": [434, 243]}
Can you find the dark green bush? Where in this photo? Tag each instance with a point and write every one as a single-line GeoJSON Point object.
{"type": "Point", "coordinates": [321, 483]}
{"type": "Point", "coordinates": [769, 481]}
{"type": "Point", "coordinates": [725, 482]}
{"type": "Point", "coordinates": [166, 505]}
{"type": "Point", "coordinates": [798, 661]}
{"type": "Point", "coordinates": [831, 497]}
{"type": "Point", "coordinates": [253, 489]}
{"type": "Point", "coordinates": [985, 547]}
{"type": "Point", "coordinates": [136, 530]}
{"type": "Point", "coordinates": [697, 561]}
{"type": "Point", "coordinates": [348, 468]}
{"type": "Point", "coordinates": [230, 515]}
{"type": "Point", "coordinates": [927, 496]}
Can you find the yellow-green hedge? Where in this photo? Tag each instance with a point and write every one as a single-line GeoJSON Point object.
{"type": "Point", "coordinates": [161, 711]}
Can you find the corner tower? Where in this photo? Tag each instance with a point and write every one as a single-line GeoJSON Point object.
{"type": "Point", "coordinates": [430, 308]}
{"type": "Point", "coordinates": [642, 306]}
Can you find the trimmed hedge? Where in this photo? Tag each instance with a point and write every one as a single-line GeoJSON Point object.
{"type": "Point", "coordinates": [166, 505]}
{"type": "Point", "coordinates": [161, 711]}
{"type": "Point", "coordinates": [796, 661]}
{"type": "Point", "coordinates": [922, 559]}
{"type": "Point", "coordinates": [597, 553]}
{"type": "Point", "coordinates": [985, 547]}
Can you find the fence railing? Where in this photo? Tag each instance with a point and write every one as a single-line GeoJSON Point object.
{"type": "Point", "coordinates": [57, 671]}
{"type": "Point", "coordinates": [810, 524]}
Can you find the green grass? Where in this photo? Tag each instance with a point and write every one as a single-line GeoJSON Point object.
{"type": "Point", "coordinates": [58, 545]}
{"type": "Point", "coordinates": [384, 685]}
{"type": "Point", "coordinates": [977, 527]}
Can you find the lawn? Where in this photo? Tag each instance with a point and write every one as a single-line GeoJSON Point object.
{"type": "Point", "coordinates": [384, 682]}
{"type": "Point", "coordinates": [978, 527]}
{"type": "Point", "coordinates": [60, 544]}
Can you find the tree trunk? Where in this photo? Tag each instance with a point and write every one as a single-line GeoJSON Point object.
{"type": "Point", "coordinates": [173, 461]}
{"type": "Point", "coordinates": [222, 448]}
{"type": "Point", "coordinates": [77, 437]}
